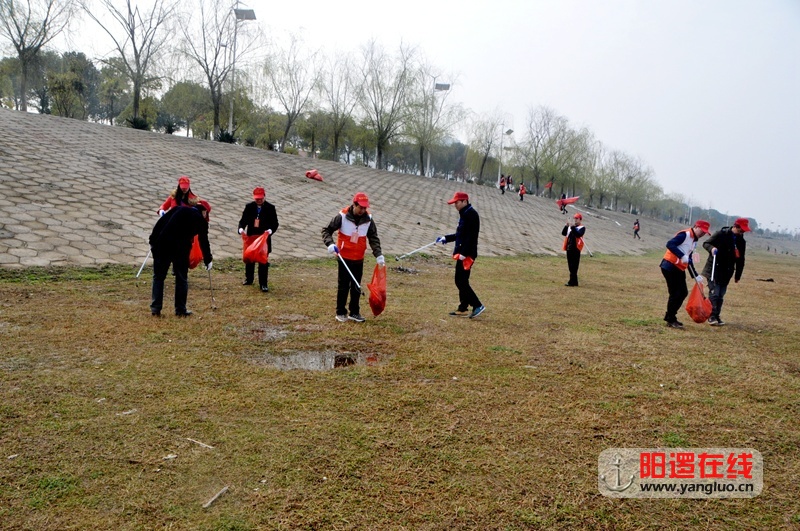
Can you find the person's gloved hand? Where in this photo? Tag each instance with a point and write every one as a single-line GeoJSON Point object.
{"type": "Point", "coordinates": [241, 231]}
{"type": "Point", "coordinates": [208, 266]}
{"type": "Point", "coordinates": [381, 260]}
{"type": "Point", "coordinates": [333, 249]}
{"type": "Point", "coordinates": [269, 231]}
{"type": "Point", "coordinates": [714, 251]}
{"type": "Point", "coordinates": [441, 239]}
{"type": "Point", "coordinates": [685, 259]}
{"type": "Point", "coordinates": [700, 279]}
{"type": "Point", "coordinates": [161, 212]}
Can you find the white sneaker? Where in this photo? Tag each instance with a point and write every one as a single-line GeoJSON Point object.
{"type": "Point", "coordinates": [341, 318]}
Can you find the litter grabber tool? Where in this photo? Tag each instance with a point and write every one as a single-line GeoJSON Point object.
{"type": "Point", "coordinates": [143, 263]}
{"type": "Point", "coordinates": [350, 272]}
{"type": "Point", "coordinates": [414, 251]}
{"type": "Point", "coordinates": [210, 287]}
{"type": "Point", "coordinates": [713, 266]}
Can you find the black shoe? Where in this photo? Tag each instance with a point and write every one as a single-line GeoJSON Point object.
{"type": "Point", "coordinates": [187, 313]}
{"type": "Point", "coordinates": [356, 317]}
{"type": "Point", "coordinates": [461, 313]}
{"type": "Point", "coordinates": [156, 313]}
{"type": "Point", "coordinates": [265, 289]}
{"type": "Point", "coordinates": [247, 283]}
{"type": "Point", "coordinates": [675, 324]}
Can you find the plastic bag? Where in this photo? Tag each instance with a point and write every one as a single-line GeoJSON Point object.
{"type": "Point", "coordinates": [377, 290]}
{"type": "Point", "coordinates": [257, 250]}
{"type": "Point", "coordinates": [246, 241]}
{"type": "Point", "coordinates": [314, 174]}
{"type": "Point", "coordinates": [196, 254]}
{"type": "Point", "coordinates": [698, 306]}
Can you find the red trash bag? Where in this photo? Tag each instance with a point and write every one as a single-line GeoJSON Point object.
{"type": "Point", "coordinates": [314, 174]}
{"type": "Point", "coordinates": [196, 254]}
{"type": "Point", "coordinates": [698, 306]}
{"type": "Point", "coordinates": [257, 250]}
{"type": "Point", "coordinates": [246, 241]}
{"type": "Point", "coordinates": [377, 290]}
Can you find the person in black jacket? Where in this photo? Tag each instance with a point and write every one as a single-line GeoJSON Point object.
{"type": "Point", "coordinates": [258, 217]}
{"type": "Point", "coordinates": [171, 243]}
{"type": "Point", "coordinates": [728, 246]}
{"type": "Point", "coordinates": [573, 244]}
{"type": "Point", "coordinates": [465, 252]}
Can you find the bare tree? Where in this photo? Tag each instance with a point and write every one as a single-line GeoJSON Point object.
{"type": "Point", "coordinates": [483, 141]}
{"type": "Point", "coordinates": [294, 75]}
{"type": "Point", "coordinates": [385, 83]}
{"type": "Point", "coordinates": [430, 118]}
{"type": "Point", "coordinates": [141, 43]}
{"type": "Point", "coordinates": [341, 93]}
{"type": "Point", "coordinates": [29, 26]}
{"type": "Point", "coordinates": [211, 41]}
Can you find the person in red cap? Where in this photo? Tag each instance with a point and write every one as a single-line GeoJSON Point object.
{"type": "Point", "coordinates": [171, 243]}
{"type": "Point", "coordinates": [180, 196]}
{"type": "Point", "coordinates": [258, 217]}
{"type": "Point", "coordinates": [465, 252]}
{"type": "Point", "coordinates": [727, 246]}
{"type": "Point", "coordinates": [522, 191]}
{"type": "Point", "coordinates": [355, 227]}
{"type": "Point", "coordinates": [573, 244]}
{"type": "Point", "coordinates": [677, 259]}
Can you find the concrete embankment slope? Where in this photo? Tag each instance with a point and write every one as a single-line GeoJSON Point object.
{"type": "Point", "coordinates": [79, 193]}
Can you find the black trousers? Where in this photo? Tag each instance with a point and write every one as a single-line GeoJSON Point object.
{"type": "Point", "coordinates": [676, 285]}
{"type": "Point", "coordinates": [263, 272]}
{"type": "Point", "coordinates": [466, 296]}
{"type": "Point", "coordinates": [716, 294]}
{"type": "Point", "coordinates": [180, 266]}
{"type": "Point", "coordinates": [347, 286]}
{"type": "Point", "coordinates": [573, 263]}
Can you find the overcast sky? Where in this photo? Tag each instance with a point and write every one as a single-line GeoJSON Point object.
{"type": "Point", "coordinates": [706, 92]}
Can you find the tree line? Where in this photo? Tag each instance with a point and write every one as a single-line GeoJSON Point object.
{"type": "Point", "coordinates": [191, 66]}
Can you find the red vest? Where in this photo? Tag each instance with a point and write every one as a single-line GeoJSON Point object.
{"type": "Point", "coordinates": [352, 239]}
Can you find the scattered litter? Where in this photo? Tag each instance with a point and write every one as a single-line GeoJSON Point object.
{"type": "Point", "coordinates": [455, 377]}
{"type": "Point", "coordinates": [130, 411]}
{"type": "Point", "coordinates": [207, 504]}
{"type": "Point", "coordinates": [528, 366]}
{"type": "Point", "coordinates": [100, 400]}
{"type": "Point", "coordinates": [766, 279]}
{"type": "Point", "coordinates": [204, 445]}
{"type": "Point", "coordinates": [170, 456]}
{"type": "Point", "coordinates": [14, 456]}
{"type": "Point", "coordinates": [263, 481]}
{"type": "Point", "coordinates": [661, 385]}
{"type": "Point", "coordinates": [324, 478]}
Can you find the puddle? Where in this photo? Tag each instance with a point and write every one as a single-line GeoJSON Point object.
{"type": "Point", "coordinates": [316, 360]}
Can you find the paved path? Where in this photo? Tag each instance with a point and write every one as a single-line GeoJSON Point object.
{"type": "Point", "coordinates": [78, 193]}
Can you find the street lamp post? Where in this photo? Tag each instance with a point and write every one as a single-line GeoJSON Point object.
{"type": "Point", "coordinates": [500, 158]}
{"type": "Point", "coordinates": [437, 87]}
{"type": "Point", "coordinates": [240, 14]}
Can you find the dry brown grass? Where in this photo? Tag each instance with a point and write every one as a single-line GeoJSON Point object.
{"type": "Point", "coordinates": [493, 423]}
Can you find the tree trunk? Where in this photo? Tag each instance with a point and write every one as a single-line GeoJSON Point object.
{"type": "Point", "coordinates": [23, 86]}
{"type": "Point", "coordinates": [422, 161]}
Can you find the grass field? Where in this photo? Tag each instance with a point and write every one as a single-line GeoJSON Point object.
{"type": "Point", "coordinates": [445, 423]}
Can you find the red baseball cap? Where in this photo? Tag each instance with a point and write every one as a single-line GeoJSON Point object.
{"type": "Point", "coordinates": [458, 196]}
{"type": "Point", "coordinates": [743, 223]}
{"type": "Point", "coordinates": [577, 216]}
{"type": "Point", "coordinates": [361, 199]}
{"type": "Point", "coordinates": [184, 180]}
{"type": "Point", "coordinates": [205, 205]}
{"type": "Point", "coordinates": [259, 193]}
{"type": "Point", "coordinates": [704, 225]}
